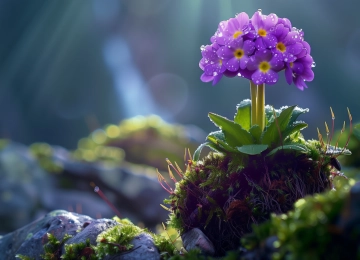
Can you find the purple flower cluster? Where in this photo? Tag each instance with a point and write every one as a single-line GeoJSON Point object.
{"type": "Point", "coordinates": [257, 49]}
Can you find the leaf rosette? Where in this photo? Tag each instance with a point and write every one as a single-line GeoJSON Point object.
{"type": "Point", "coordinates": [282, 132]}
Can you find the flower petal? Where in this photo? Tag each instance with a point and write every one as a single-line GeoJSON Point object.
{"type": "Point", "coordinates": [243, 19]}
{"type": "Point", "coordinates": [270, 21]}
{"type": "Point", "coordinates": [232, 64]}
{"type": "Point", "coordinates": [297, 68]}
{"type": "Point", "coordinates": [270, 41]}
{"type": "Point", "coordinates": [252, 64]}
{"type": "Point", "coordinates": [264, 55]}
{"type": "Point", "coordinates": [230, 74]}
{"type": "Point", "coordinates": [280, 32]}
{"type": "Point", "coordinates": [300, 83]}
{"type": "Point", "coordinates": [225, 53]}
{"type": "Point", "coordinates": [294, 48]}
{"type": "Point", "coordinates": [277, 62]}
{"type": "Point", "coordinates": [217, 79]}
{"type": "Point", "coordinates": [258, 77]}
{"type": "Point", "coordinates": [256, 20]}
{"type": "Point", "coordinates": [259, 44]}
{"type": "Point", "coordinates": [243, 62]}
{"type": "Point", "coordinates": [249, 47]}
{"type": "Point", "coordinates": [206, 78]}
{"type": "Point", "coordinates": [288, 74]}
{"type": "Point", "coordinates": [308, 74]}
{"type": "Point", "coordinates": [233, 26]}
{"type": "Point", "coordinates": [271, 77]}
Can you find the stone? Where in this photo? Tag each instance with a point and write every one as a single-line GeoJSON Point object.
{"type": "Point", "coordinates": [196, 239]}
{"type": "Point", "coordinates": [30, 240]}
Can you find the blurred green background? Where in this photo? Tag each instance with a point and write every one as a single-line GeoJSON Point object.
{"type": "Point", "coordinates": [70, 66]}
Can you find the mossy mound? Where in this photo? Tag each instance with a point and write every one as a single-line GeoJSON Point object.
{"type": "Point", "coordinates": [224, 194]}
{"type": "Point", "coordinates": [323, 226]}
{"type": "Point", "coordinates": [138, 140]}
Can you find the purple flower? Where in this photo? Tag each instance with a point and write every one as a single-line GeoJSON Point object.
{"type": "Point", "coordinates": [264, 25]}
{"type": "Point", "coordinates": [211, 64]}
{"type": "Point", "coordinates": [257, 49]}
{"type": "Point", "coordinates": [288, 45]}
{"type": "Point", "coordinates": [236, 54]}
{"type": "Point", "coordinates": [232, 29]}
{"type": "Point", "coordinates": [286, 22]}
{"type": "Point", "coordinates": [266, 65]}
{"type": "Point", "coordinates": [300, 71]}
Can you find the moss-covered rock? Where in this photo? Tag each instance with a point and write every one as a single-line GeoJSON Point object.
{"type": "Point", "coordinates": [324, 226]}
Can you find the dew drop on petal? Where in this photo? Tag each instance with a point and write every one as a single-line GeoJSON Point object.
{"type": "Point", "coordinates": [202, 48]}
{"type": "Point", "coordinates": [215, 73]}
{"type": "Point", "coordinates": [313, 64]}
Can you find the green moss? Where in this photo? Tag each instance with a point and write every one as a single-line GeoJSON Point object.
{"type": "Point", "coordinates": [116, 239]}
{"type": "Point", "coordinates": [309, 231]}
{"type": "Point", "coordinates": [138, 140]}
{"type": "Point", "coordinates": [164, 245]}
{"type": "Point", "coordinates": [43, 152]}
{"type": "Point", "coordinates": [52, 249]}
{"type": "Point", "coordinates": [233, 190]}
{"type": "Point", "coordinates": [23, 257]}
{"type": "Point", "coordinates": [80, 251]}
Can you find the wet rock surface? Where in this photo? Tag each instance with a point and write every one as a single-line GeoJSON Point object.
{"type": "Point", "coordinates": [196, 239]}
{"type": "Point", "coordinates": [30, 240]}
{"type": "Point", "coordinates": [28, 192]}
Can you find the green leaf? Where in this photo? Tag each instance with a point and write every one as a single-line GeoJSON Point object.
{"type": "Point", "coordinates": [271, 133]}
{"type": "Point", "coordinates": [296, 112]}
{"type": "Point", "coordinates": [219, 142]}
{"type": "Point", "coordinates": [197, 152]}
{"type": "Point", "coordinates": [256, 132]}
{"type": "Point", "coordinates": [356, 131]}
{"type": "Point", "coordinates": [243, 114]}
{"type": "Point", "coordinates": [252, 149]}
{"type": "Point", "coordinates": [235, 135]}
{"type": "Point", "coordinates": [297, 147]}
{"type": "Point", "coordinates": [295, 127]}
{"type": "Point", "coordinates": [269, 115]}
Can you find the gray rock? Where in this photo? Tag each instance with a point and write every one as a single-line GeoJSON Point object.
{"type": "Point", "coordinates": [144, 249]}
{"type": "Point", "coordinates": [27, 191]}
{"type": "Point", "coordinates": [30, 240]}
{"type": "Point", "coordinates": [91, 230]}
{"type": "Point", "coordinates": [195, 238]}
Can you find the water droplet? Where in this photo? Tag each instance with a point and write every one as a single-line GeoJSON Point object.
{"type": "Point", "coordinates": [285, 59]}
{"type": "Point", "coordinates": [313, 64]}
{"type": "Point", "coordinates": [257, 82]}
{"type": "Point", "coordinates": [215, 73]}
{"type": "Point", "coordinates": [202, 47]}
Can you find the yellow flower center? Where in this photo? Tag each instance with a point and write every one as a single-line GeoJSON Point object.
{"type": "Point", "coordinates": [281, 47]}
{"type": "Point", "coordinates": [239, 53]}
{"type": "Point", "coordinates": [291, 64]}
{"type": "Point", "coordinates": [264, 66]}
{"type": "Point", "coordinates": [220, 62]}
{"type": "Point", "coordinates": [237, 34]}
{"type": "Point", "coordinates": [262, 32]}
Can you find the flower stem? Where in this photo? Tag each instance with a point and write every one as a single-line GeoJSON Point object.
{"type": "Point", "coordinates": [260, 106]}
{"type": "Point", "coordinates": [253, 93]}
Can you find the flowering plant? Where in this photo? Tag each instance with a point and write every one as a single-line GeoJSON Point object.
{"type": "Point", "coordinates": [260, 163]}
{"type": "Point", "coordinates": [257, 49]}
